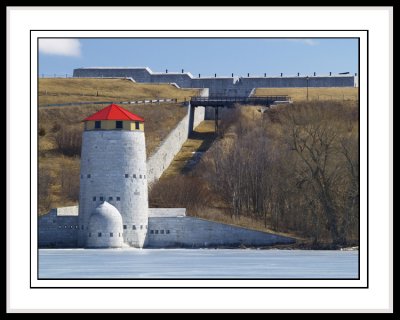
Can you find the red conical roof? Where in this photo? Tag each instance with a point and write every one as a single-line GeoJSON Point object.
{"type": "Point", "coordinates": [114, 112]}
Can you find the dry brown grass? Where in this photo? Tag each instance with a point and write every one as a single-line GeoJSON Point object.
{"type": "Point", "coordinates": [79, 90]}
{"type": "Point", "coordinates": [223, 216]}
{"type": "Point", "coordinates": [300, 94]}
{"type": "Point", "coordinates": [198, 142]}
{"type": "Point", "coordinates": [159, 121]}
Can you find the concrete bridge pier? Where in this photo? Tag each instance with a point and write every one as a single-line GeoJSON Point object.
{"type": "Point", "coordinates": [191, 119]}
{"type": "Point", "coordinates": [203, 93]}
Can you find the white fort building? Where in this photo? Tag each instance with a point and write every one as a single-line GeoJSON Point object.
{"type": "Point", "coordinates": [113, 209]}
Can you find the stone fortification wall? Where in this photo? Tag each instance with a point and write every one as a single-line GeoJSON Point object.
{"type": "Point", "coordinates": [227, 86]}
{"type": "Point", "coordinates": [59, 228]}
{"type": "Point", "coordinates": [167, 228]}
{"type": "Point", "coordinates": [183, 80]}
{"type": "Point", "coordinates": [298, 82]}
{"type": "Point", "coordinates": [189, 232]}
{"type": "Point", "coordinates": [138, 74]}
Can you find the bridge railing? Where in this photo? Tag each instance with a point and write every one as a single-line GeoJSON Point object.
{"type": "Point", "coordinates": [240, 99]}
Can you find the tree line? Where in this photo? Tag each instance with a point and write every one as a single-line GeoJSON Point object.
{"type": "Point", "coordinates": [293, 168]}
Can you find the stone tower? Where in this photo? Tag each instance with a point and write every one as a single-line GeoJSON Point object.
{"type": "Point", "coordinates": [113, 169]}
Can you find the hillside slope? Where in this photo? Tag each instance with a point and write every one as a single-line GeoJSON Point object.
{"type": "Point", "coordinates": [292, 169]}
{"type": "Point", "coordinates": [60, 128]}
{"type": "Point", "coordinates": [67, 90]}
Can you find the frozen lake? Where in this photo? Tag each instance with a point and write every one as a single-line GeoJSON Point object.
{"type": "Point", "coordinates": [198, 263]}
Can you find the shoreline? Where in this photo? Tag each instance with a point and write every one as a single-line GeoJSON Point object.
{"type": "Point", "coordinates": [274, 247]}
{"type": "Point", "coordinates": [311, 246]}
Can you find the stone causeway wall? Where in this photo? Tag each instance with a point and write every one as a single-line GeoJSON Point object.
{"type": "Point", "coordinates": [165, 153]}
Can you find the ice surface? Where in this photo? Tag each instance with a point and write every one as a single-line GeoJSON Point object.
{"type": "Point", "coordinates": [198, 263]}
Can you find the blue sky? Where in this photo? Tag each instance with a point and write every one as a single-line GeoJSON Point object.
{"type": "Point", "coordinates": [204, 56]}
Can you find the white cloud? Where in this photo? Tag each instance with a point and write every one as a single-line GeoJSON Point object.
{"type": "Point", "coordinates": [61, 47]}
{"type": "Point", "coordinates": [308, 42]}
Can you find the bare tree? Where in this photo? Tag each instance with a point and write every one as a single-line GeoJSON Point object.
{"type": "Point", "coordinates": [69, 141]}
{"type": "Point", "coordinates": [315, 137]}
{"type": "Point", "coordinates": [69, 179]}
{"type": "Point", "coordinates": [292, 169]}
{"type": "Point", "coordinates": [45, 182]}
{"type": "Point", "coordinates": [184, 191]}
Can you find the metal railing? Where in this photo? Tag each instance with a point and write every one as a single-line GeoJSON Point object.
{"type": "Point", "coordinates": [219, 101]}
{"type": "Point", "coordinates": [55, 75]}
{"type": "Point", "coordinates": [239, 99]}
{"type": "Point", "coordinates": [145, 101]}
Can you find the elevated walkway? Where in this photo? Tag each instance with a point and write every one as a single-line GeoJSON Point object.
{"type": "Point", "coordinates": [230, 102]}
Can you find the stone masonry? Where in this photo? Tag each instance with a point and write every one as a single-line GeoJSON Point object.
{"type": "Point", "coordinates": [225, 86]}
{"type": "Point", "coordinates": [168, 228]}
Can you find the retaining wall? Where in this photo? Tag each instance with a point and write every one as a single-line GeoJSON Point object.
{"type": "Point", "coordinates": [165, 153]}
{"type": "Point", "coordinates": [167, 228]}
{"type": "Point", "coordinates": [59, 231]}
{"type": "Point", "coordinates": [189, 232]}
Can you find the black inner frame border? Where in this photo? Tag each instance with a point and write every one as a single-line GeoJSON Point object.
{"type": "Point", "coordinates": [174, 279]}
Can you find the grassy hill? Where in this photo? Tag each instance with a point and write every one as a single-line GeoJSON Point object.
{"type": "Point", "coordinates": [159, 121]}
{"type": "Point", "coordinates": [300, 94]}
{"type": "Point", "coordinates": [60, 128]}
{"type": "Point", "coordinates": [78, 90]}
